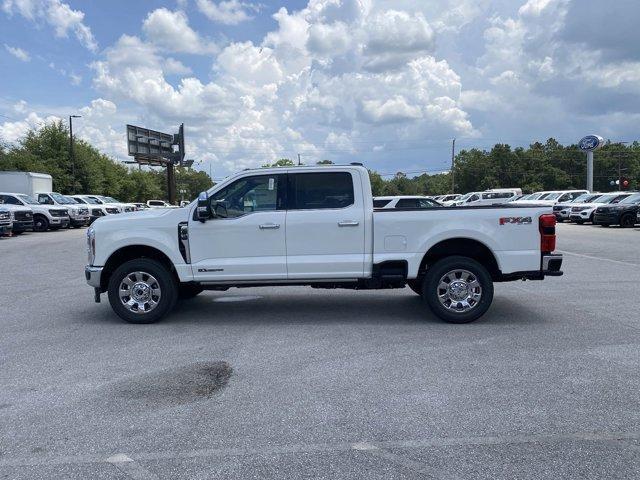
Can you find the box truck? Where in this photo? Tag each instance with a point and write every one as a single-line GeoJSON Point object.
{"type": "Point", "coordinates": [28, 183]}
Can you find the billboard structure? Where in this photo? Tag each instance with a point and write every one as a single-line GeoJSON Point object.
{"type": "Point", "coordinates": [158, 149]}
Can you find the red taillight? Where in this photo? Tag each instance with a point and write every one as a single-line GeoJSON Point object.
{"type": "Point", "coordinates": [547, 232]}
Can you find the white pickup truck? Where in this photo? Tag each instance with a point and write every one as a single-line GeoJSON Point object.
{"type": "Point", "coordinates": [315, 226]}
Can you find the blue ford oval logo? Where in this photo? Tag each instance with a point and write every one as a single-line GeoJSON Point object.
{"type": "Point", "coordinates": [590, 143]}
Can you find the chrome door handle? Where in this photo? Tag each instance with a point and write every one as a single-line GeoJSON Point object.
{"type": "Point", "coordinates": [348, 223]}
{"type": "Point", "coordinates": [269, 226]}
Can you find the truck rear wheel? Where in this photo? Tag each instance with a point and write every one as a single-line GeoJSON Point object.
{"type": "Point", "coordinates": [142, 291]}
{"type": "Point", "coordinates": [458, 289]}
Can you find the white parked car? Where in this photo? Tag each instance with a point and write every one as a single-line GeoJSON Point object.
{"type": "Point", "coordinates": [405, 201]}
{"type": "Point", "coordinates": [553, 197]}
{"type": "Point", "coordinates": [126, 207]}
{"type": "Point", "coordinates": [583, 212]}
{"type": "Point", "coordinates": [21, 217]}
{"type": "Point", "coordinates": [97, 208]}
{"type": "Point", "coordinates": [448, 200]}
{"type": "Point", "coordinates": [159, 204]}
{"type": "Point", "coordinates": [488, 197]}
{"type": "Point", "coordinates": [6, 224]}
{"type": "Point", "coordinates": [315, 226]}
{"type": "Point", "coordinates": [78, 214]}
{"type": "Point", "coordinates": [45, 217]}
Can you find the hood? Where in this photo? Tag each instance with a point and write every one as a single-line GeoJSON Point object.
{"type": "Point", "coordinates": [15, 208]}
{"type": "Point", "coordinates": [144, 216]}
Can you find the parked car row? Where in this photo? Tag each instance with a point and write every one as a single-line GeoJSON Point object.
{"type": "Point", "coordinates": [605, 209]}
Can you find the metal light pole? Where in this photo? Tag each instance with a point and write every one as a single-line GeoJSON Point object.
{"type": "Point", "coordinates": [71, 153]}
{"type": "Point", "coordinates": [453, 159]}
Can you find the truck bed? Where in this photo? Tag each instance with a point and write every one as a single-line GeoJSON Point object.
{"type": "Point", "coordinates": [511, 232]}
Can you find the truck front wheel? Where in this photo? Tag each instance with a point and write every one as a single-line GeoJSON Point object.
{"type": "Point", "coordinates": [142, 291]}
{"type": "Point", "coordinates": [458, 289]}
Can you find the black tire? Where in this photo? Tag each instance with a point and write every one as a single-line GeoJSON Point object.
{"type": "Point", "coordinates": [415, 285]}
{"type": "Point", "coordinates": [40, 223]}
{"type": "Point", "coordinates": [430, 288]}
{"type": "Point", "coordinates": [187, 291]}
{"type": "Point", "coordinates": [628, 220]}
{"type": "Point", "coordinates": [580, 222]}
{"type": "Point", "coordinates": [166, 283]}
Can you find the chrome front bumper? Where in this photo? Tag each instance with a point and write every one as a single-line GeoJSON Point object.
{"type": "Point", "coordinates": [93, 274]}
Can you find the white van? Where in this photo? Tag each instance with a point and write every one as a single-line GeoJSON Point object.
{"type": "Point", "coordinates": [488, 197]}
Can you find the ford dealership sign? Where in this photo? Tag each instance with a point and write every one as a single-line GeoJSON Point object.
{"type": "Point", "coordinates": [590, 143]}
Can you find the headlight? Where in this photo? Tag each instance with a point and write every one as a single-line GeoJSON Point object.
{"type": "Point", "coordinates": [91, 245]}
{"type": "Point", "coordinates": [112, 210]}
{"type": "Point", "coordinates": [5, 215]}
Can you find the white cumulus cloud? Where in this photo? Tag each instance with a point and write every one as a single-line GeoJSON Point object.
{"type": "Point", "coordinates": [228, 12]}
{"type": "Point", "coordinates": [18, 52]}
{"type": "Point", "coordinates": [57, 14]}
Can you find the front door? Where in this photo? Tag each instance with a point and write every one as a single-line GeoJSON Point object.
{"type": "Point", "coordinates": [245, 239]}
{"type": "Point", "coordinates": [325, 226]}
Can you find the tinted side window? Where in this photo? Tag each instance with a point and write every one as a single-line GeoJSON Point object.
{"type": "Point", "coordinates": [247, 195]}
{"type": "Point", "coordinates": [380, 203]}
{"type": "Point", "coordinates": [42, 198]}
{"type": "Point", "coordinates": [313, 191]}
{"type": "Point", "coordinates": [407, 203]}
{"type": "Point", "coordinates": [9, 200]}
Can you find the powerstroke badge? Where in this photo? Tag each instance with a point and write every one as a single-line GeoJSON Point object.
{"type": "Point", "coordinates": [515, 220]}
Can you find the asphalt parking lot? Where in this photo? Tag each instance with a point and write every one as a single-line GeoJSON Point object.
{"type": "Point", "coordinates": [303, 383]}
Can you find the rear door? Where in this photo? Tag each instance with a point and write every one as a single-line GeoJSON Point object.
{"type": "Point", "coordinates": [325, 225]}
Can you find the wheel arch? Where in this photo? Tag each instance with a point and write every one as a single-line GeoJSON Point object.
{"type": "Point", "coordinates": [466, 247]}
{"type": "Point", "coordinates": [132, 252]}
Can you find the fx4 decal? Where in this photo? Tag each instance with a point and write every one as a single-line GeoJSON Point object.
{"type": "Point", "coordinates": [515, 220]}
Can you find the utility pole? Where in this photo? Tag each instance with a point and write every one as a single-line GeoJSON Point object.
{"type": "Point", "coordinates": [71, 153]}
{"type": "Point", "coordinates": [453, 159]}
{"type": "Point", "coordinates": [299, 163]}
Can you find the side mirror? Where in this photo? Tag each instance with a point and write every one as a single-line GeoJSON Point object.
{"type": "Point", "coordinates": [203, 210]}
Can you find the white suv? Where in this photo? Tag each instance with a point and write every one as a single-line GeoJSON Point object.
{"type": "Point", "coordinates": [583, 212]}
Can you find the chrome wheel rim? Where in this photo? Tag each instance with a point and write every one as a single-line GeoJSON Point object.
{"type": "Point", "coordinates": [139, 292]}
{"type": "Point", "coordinates": [459, 291]}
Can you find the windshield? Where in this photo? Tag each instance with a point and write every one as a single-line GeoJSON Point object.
{"type": "Point", "coordinates": [635, 198]}
{"type": "Point", "coordinates": [608, 198]}
{"type": "Point", "coordinates": [111, 200]}
{"type": "Point", "coordinates": [581, 198]}
{"type": "Point", "coordinates": [61, 199]}
{"type": "Point", "coordinates": [465, 196]}
{"type": "Point", "coordinates": [91, 200]}
{"type": "Point", "coordinates": [78, 200]}
{"type": "Point", "coordinates": [27, 199]}
{"type": "Point", "coordinates": [552, 196]}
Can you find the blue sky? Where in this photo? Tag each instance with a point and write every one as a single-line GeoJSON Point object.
{"type": "Point", "coordinates": [385, 82]}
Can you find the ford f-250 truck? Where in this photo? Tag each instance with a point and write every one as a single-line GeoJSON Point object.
{"type": "Point", "coordinates": [315, 226]}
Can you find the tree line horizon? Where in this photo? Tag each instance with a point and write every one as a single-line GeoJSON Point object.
{"type": "Point", "coordinates": [545, 165]}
